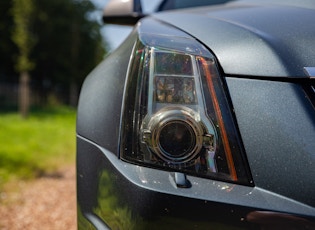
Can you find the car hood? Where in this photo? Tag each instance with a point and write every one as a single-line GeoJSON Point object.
{"type": "Point", "coordinates": [253, 38]}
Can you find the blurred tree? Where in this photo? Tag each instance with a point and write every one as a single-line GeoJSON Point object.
{"type": "Point", "coordinates": [68, 46]}
{"type": "Point", "coordinates": [7, 47]}
{"type": "Point", "coordinates": [22, 11]}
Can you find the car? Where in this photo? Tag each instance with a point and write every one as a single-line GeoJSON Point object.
{"type": "Point", "coordinates": [203, 118]}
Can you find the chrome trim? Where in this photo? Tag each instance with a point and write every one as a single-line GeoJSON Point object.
{"type": "Point", "coordinates": [152, 127]}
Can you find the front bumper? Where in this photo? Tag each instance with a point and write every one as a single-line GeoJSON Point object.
{"type": "Point", "coordinates": [113, 194]}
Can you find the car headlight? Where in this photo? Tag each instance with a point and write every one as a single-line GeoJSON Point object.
{"type": "Point", "coordinates": [176, 114]}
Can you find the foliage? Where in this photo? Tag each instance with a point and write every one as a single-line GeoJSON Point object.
{"type": "Point", "coordinates": [22, 11]}
{"type": "Point", "coordinates": [38, 145]}
{"type": "Point", "coordinates": [7, 48]}
{"type": "Point", "coordinates": [69, 45]}
{"type": "Point", "coordinates": [65, 44]}
{"type": "Point", "coordinates": [112, 211]}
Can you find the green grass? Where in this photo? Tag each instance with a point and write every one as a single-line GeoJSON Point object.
{"type": "Point", "coordinates": [37, 145]}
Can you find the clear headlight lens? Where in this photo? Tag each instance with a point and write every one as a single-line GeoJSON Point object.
{"type": "Point", "coordinates": [176, 114]}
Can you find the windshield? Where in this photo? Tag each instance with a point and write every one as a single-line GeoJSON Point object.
{"type": "Point", "coordinates": [178, 4]}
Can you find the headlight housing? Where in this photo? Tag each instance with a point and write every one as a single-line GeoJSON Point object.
{"type": "Point", "coordinates": [176, 114]}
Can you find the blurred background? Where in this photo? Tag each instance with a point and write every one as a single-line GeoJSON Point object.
{"type": "Point", "coordinates": [47, 49]}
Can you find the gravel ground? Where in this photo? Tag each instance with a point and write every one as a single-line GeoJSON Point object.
{"type": "Point", "coordinates": [45, 203]}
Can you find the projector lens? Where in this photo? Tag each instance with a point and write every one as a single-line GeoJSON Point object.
{"type": "Point", "coordinates": [177, 139]}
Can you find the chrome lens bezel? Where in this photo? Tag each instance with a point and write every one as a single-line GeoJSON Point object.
{"type": "Point", "coordinates": [153, 126]}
